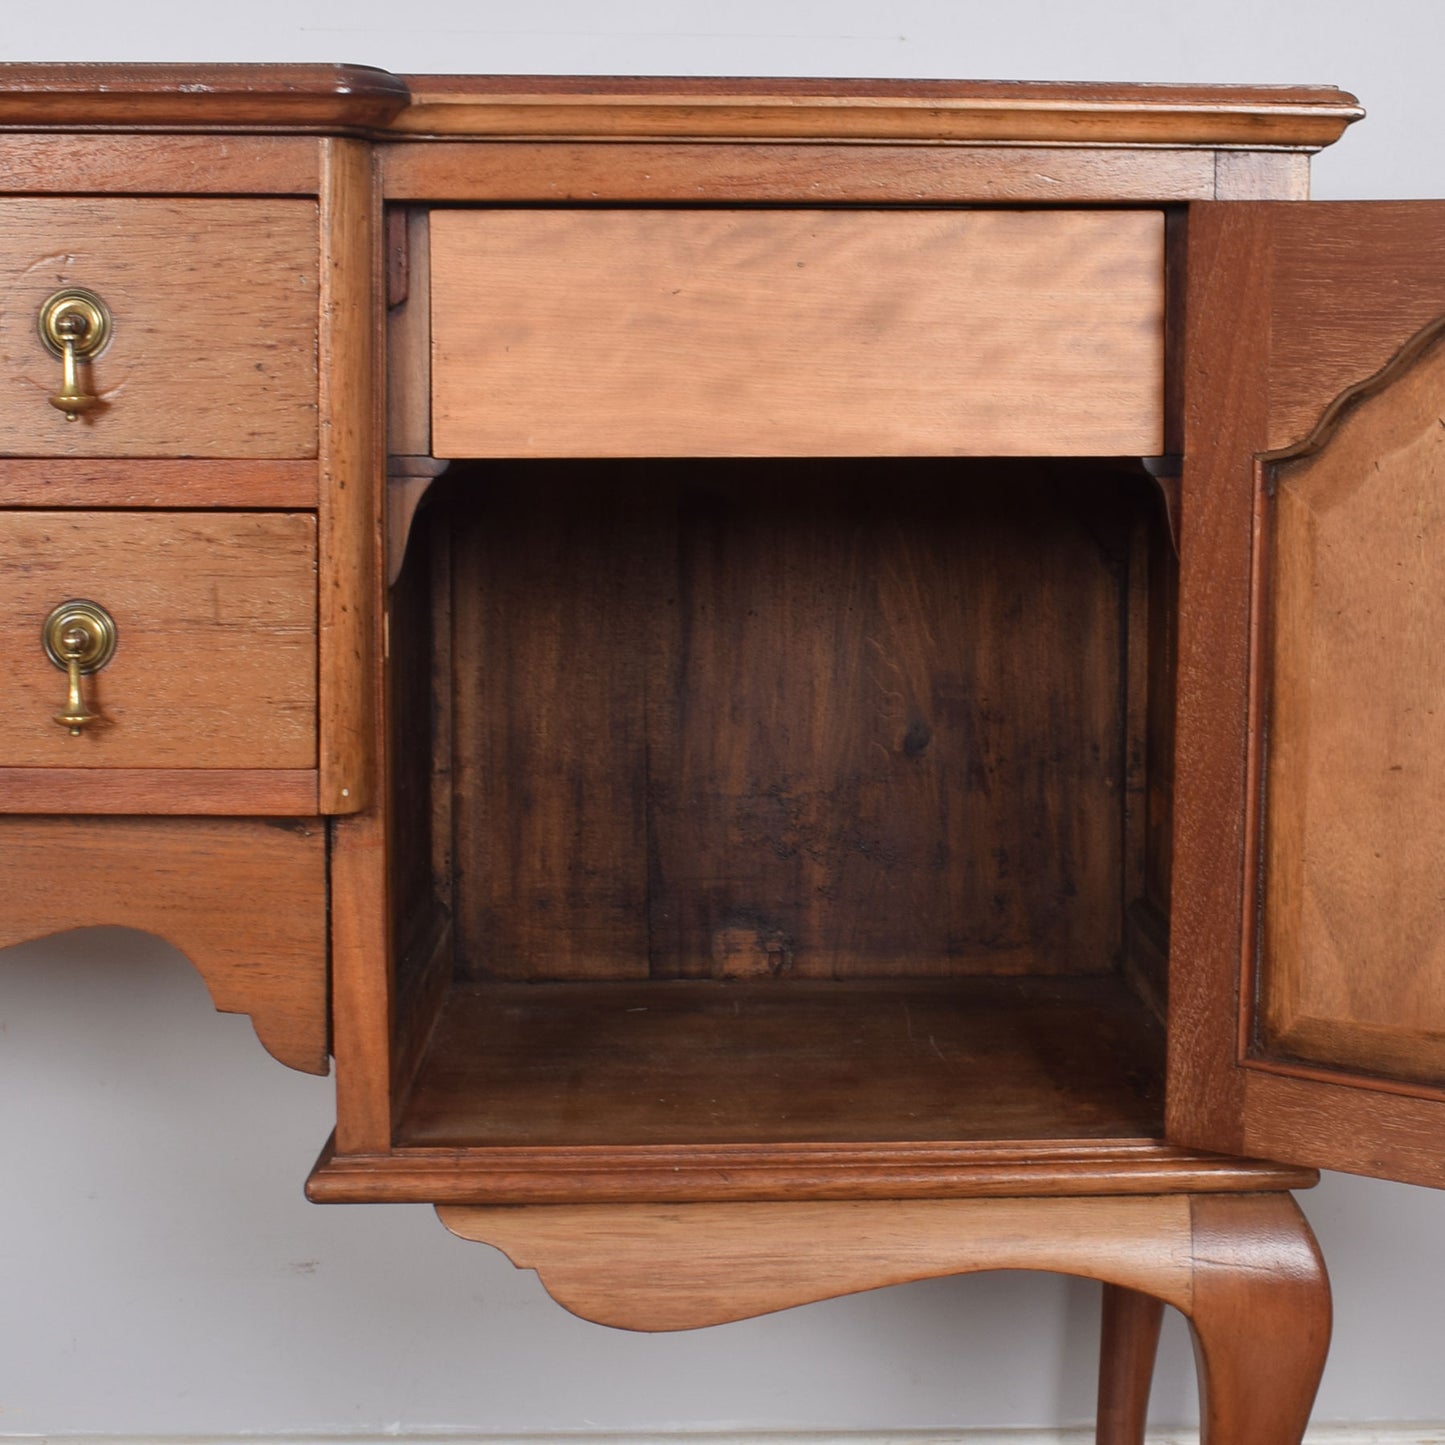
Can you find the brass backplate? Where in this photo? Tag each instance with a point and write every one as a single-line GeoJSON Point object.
{"type": "Point", "coordinates": [59, 312]}
{"type": "Point", "coordinates": [87, 618]}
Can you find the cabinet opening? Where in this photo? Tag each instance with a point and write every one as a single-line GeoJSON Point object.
{"type": "Point", "coordinates": [781, 802]}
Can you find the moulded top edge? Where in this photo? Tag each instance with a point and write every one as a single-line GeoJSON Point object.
{"type": "Point", "coordinates": [123, 96]}
{"type": "Point", "coordinates": [1287, 117]}
{"type": "Point", "coordinates": [327, 97]}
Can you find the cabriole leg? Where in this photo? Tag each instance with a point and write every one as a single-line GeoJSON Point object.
{"type": "Point", "coordinates": [1128, 1341]}
{"type": "Point", "coordinates": [1260, 1316]}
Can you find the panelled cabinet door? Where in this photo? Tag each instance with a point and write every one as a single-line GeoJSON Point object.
{"type": "Point", "coordinates": [1308, 953]}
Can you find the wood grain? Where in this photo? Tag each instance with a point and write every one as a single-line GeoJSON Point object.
{"type": "Point", "coordinates": [1352, 965]}
{"type": "Point", "coordinates": [683, 1266]}
{"type": "Point", "coordinates": [1352, 283]}
{"type": "Point", "coordinates": [1316, 299]}
{"type": "Point", "coordinates": [785, 333]}
{"type": "Point", "coordinates": [365, 910]}
{"type": "Point", "coordinates": [1258, 1276]}
{"type": "Point", "coordinates": [275, 486]}
{"type": "Point", "coordinates": [196, 366]}
{"type": "Point", "coordinates": [715, 1063]}
{"type": "Point", "coordinates": [1389, 1129]}
{"type": "Point", "coordinates": [1285, 117]}
{"type": "Point", "coordinates": [420, 797]}
{"type": "Point", "coordinates": [243, 792]}
{"type": "Point", "coordinates": [716, 720]}
{"type": "Point", "coordinates": [215, 662]}
{"type": "Point", "coordinates": [157, 165]}
{"type": "Point", "coordinates": [1128, 1343]}
{"type": "Point", "coordinates": [1227, 387]}
{"type": "Point", "coordinates": [352, 475]}
{"type": "Point", "coordinates": [408, 349]}
{"type": "Point", "coordinates": [245, 901]}
{"type": "Point", "coordinates": [361, 992]}
{"type": "Point", "coordinates": [684, 1174]}
{"type": "Point", "coordinates": [287, 97]}
{"type": "Point", "coordinates": [875, 173]}
{"type": "Point", "coordinates": [1228, 1263]}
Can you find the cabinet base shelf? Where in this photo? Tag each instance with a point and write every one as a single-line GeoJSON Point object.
{"type": "Point", "coordinates": [701, 1062]}
{"type": "Point", "coordinates": [800, 1172]}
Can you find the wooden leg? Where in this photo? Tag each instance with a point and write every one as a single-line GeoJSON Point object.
{"type": "Point", "coordinates": [1261, 1318]}
{"type": "Point", "coordinates": [1244, 1269]}
{"type": "Point", "coordinates": [1129, 1338]}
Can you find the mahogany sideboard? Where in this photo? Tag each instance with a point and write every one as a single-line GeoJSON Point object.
{"type": "Point", "coordinates": [806, 684]}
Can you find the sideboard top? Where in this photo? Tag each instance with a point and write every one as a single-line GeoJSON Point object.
{"type": "Point", "coordinates": [198, 97]}
{"type": "Point", "coordinates": [334, 98]}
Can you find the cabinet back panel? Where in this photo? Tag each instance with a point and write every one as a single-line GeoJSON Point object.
{"type": "Point", "coordinates": [828, 720]}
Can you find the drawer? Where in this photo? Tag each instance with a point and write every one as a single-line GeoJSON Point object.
{"type": "Point", "coordinates": [797, 333]}
{"type": "Point", "coordinates": [212, 350]}
{"type": "Point", "coordinates": [214, 665]}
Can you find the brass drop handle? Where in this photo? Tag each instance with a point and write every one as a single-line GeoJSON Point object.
{"type": "Point", "coordinates": [79, 638]}
{"type": "Point", "coordinates": [74, 324]}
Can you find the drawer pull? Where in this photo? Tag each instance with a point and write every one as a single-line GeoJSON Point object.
{"type": "Point", "coordinates": [74, 324]}
{"type": "Point", "coordinates": [79, 638]}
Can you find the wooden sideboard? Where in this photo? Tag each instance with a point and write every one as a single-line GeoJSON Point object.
{"type": "Point", "coordinates": [806, 684]}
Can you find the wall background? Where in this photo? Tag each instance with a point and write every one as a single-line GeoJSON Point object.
{"type": "Point", "coordinates": [161, 1272]}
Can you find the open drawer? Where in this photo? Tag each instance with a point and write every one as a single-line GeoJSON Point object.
{"type": "Point", "coordinates": [570, 333]}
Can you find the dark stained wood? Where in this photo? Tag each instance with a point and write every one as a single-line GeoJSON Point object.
{"type": "Point", "coordinates": [789, 720]}
{"type": "Point", "coordinates": [803, 1062]}
{"type": "Point", "coordinates": [420, 729]}
{"type": "Point", "coordinates": [786, 1173]}
{"type": "Point", "coordinates": [559, 588]}
{"type": "Point", "coordinates": [871, 174]}
{"type": "Point", "coordinates": [171, 482]}
{"type": "Point", "coordinates": [157, 165]}
{"type": "Point", "coordinates": [204, 97]}
{"type": "Point", "coordinates": [1128, 1343]}
{"type": "Point", "coordinates": [244, 900]}
{"type": "Point", "coordinates": [1227, 389]}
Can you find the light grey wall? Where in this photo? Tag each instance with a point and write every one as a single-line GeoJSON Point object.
{"type": "Point", "coordinates": [159, 1269]}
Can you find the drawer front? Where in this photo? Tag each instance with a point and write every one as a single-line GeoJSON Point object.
{"type": "Point", "coordinates": [214, 664]}
{"type": "Point", "coordinates": [797, 333]}
{"type": "Point", "coordinates": [212, 349]}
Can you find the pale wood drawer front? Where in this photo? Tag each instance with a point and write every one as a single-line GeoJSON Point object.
{"type": "Point", "coordinates": [213, 346]}
{"type": "Point", "coordinates": [215, 663]}
{"type": "Point", "coordinates": [797, 333]}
